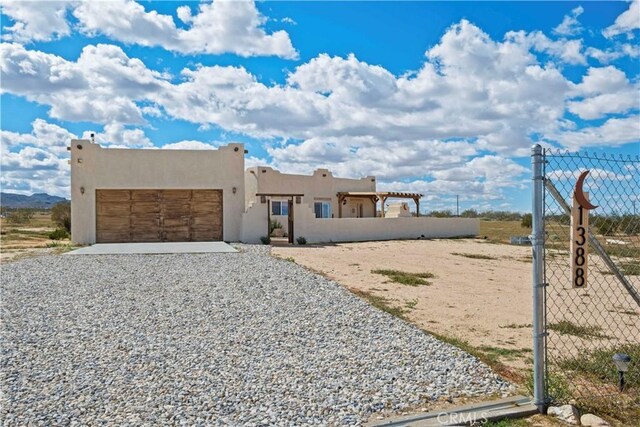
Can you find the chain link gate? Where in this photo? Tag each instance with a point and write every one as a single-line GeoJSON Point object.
{"type": "Point", "coordinates": [577, 330]}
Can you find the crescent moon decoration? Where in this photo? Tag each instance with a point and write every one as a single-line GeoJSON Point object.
{"type": "Point", "coordinates": [579, 193]}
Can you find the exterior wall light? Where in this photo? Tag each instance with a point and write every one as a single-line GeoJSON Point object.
{"type": "Point", "coordinates": [621, 361]}
{"type": "Point", "coordinates": [263, 199]}
{"type": "Point", "coordinates": [81, 190]}
{"type": "Point", "coordinates": [234, 190]}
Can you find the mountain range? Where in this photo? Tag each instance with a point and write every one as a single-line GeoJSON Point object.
{"type": "Point", "coordinates": [35, 201]}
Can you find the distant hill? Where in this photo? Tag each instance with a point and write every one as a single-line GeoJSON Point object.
{"type": "Point", "coordinates": [36, 201]}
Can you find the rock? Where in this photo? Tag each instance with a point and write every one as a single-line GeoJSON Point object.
{"type": "Point", "coordinates": [567, 413]}
{"type": "Point", "coordinates": [591, 420]}
{"type": "Point", "coordinates": [211, 339]}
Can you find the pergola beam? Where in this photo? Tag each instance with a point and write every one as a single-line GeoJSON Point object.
{"type": "Point", "coordinates": [381, 196]}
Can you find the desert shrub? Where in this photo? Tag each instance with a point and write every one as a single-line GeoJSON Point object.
{"type": "Point", "coordinates": [606, 225]}
{"type": "Point", "coordinates": [20, 216]}
{"type": "Point", "coordinates": [630, 225]}
{"type": "Point", "coordinates": [441, 214]}
{"type": "Point", "coordinates": [273, 225]}
{"type": "Point", "coordinates": [527, 220]}
{"type": "Point", "coordinates": [301, 240]}
{"type": "Point", "coordinates": [61, 215]}
{"type": "Point", "coordinates": [265, 240]}
{"type": "Point", "coordinates": [59, 234]}
{"type": "Point", "coordinates": [469, 213]}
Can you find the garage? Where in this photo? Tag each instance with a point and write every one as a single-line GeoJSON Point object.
{"type": "Point", "coordinates": [158, 215]}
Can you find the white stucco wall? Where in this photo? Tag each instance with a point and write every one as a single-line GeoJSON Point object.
{"type": "Point", "coordinates": [94, 167]}
{"type": "Point", "coordinates": [325, 230]}
{"type": "Point", "coordinates": [366, 229]}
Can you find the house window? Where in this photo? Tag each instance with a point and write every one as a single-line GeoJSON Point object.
{"type": "Point", "coordinates": [280, 208]}
{"type": "Point", "coordinates": [322, 209]}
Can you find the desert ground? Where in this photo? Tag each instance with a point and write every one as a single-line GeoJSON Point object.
{"type": "Point", "coordinates": [480, 292]}
{"type": "Point", "coordinates": [18, 241]}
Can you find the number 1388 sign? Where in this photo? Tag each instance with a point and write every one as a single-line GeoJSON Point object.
{"type": "Point", "coordinates": [580, 234]}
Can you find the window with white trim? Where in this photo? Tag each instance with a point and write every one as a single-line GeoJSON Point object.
{"type": "Point", "coordinates": [322, 209]}
{"type": "Point", "coordinates": [279, 208]}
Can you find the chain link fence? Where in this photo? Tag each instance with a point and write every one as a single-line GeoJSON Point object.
{"type": "Point", "coordinates": [586, 326]}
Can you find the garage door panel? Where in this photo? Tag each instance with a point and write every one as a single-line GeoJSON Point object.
{"type": "Point", "coordinates": [205, 236]}
{"type": "Point", "coordinates": [144, 208]}
{"type": "Point", "coordinates": [176, 222]}
{"type": "Point", "coordinates": [113, 222]}
{"type": "Point", "coordinates": [158, 215]}
{"type": "Point", "coordinates": [145, 236]}
{"type": "Point", "coordinates": [204, 221]}
{"type": "Point", "coordinates": [207, 196]}
{"type": "Point", "coordinates": [113, 195]}
{"type": "Point", "coordinates": [113, 209]}
{"type": "Point", "coordinates": [146, 221]}
{"type": "Point", "coordinates": [176, 211]}
{"type": "Point", "coordinates": [145, 195]}
{"type": "Point", "coordinates": [204, 207]}
{"type": "Point", "coordinates": [177, 234]}
{"type": "Point", "coordinates": [176, 195]}
{"type": "Point", "coordinates": [113, 236]}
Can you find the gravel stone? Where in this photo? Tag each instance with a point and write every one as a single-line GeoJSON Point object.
{"type": "Point", "coordinates": [210, 339]}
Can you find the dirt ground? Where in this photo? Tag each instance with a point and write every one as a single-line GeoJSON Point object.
{"type": "Point", "coordinates": [19, 241]}
{"type": "Point", "coordinates": [485, 301]}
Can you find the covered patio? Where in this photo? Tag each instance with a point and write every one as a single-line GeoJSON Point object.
{"type": "Point", "coordinates": [375, 196]}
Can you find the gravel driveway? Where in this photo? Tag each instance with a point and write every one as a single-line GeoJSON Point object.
{"type": "Point", "coordinates": [201, 339]}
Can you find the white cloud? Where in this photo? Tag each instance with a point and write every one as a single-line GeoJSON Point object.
{"type": "Point", "coordinates": [189, 145]}
{"type": "Point", "coordinates": [43, 135]}
{"type": "Point", "coordinates": [184, 14]}
{"type": "Point", "coordinates": [570, 26]}
{"type": "Point", "coordinates": [36, 162]}
{"type": "Point", "coordinates": [222, 26]}
{"type": "Point", "coordinates": [35, 20]}
{"type": "Point", "coordinates": [604, 91]}
{"type": "Point", "coordinates": [612, 133]}
{"type": "Point", "coordinates": [472, 96]}
{"type": "Point", "coordinates": [117, 135]}
{"type": "Point", "coordinates": [611, 54]}
{"type": "Point", "coordinates": [568, 51]}
{"type": "Point", "coordinates": [101, 86]}
{"type": "Point", "coordinates": [626, 22]}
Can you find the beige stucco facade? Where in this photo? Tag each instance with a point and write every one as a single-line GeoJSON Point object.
{"type": "Point", "coordinates": [319, 187]}
{"type": "Point", "coordinates": [244, 215]}
{"type": "Point", "coordinates": [94, 167]}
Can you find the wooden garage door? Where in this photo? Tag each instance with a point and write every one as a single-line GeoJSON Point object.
{"type": "Point", "coordinates": [158, 215]}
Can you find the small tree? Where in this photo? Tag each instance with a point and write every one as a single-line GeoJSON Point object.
{"type": "Point", "coordinates": [527, 220]}
{"type": "Point", "coordinates": [61, 215]}
{"type": "Point", "coordinates": [469, 213]}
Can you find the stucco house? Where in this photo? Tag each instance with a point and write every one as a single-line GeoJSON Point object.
{"type": "Point", "coordinates": [148, 195]}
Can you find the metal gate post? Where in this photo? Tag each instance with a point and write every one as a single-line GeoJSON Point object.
{"type": "Point", "coordinates": [537, 245]}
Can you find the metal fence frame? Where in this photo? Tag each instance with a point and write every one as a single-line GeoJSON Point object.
{"type": "Point", "coordinates": [544, 192]}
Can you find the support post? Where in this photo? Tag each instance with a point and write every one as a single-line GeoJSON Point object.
{"type": "Point", "coordinates": [268, 217]}
{"type": "Point", "coordinates": [537, 245]}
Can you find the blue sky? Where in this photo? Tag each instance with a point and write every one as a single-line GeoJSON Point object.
{"type": "Point", "coordinates": [444, 98]}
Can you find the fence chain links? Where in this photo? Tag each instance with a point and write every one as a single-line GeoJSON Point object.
{"type": "Point", "coordinates": [587, 326]}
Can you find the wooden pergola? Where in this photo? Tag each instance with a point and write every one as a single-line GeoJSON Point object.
{"type": "Point", "coordinates": [376, 196]}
